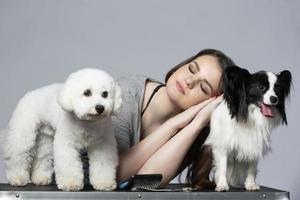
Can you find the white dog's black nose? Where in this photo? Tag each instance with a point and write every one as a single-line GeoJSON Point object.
{"type": "Point", "coordinates": [99, 109]}
{"type": "Point", "coordinates": [273, 99]}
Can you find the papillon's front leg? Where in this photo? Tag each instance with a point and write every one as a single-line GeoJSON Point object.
{"type": "Point", "coordinates": [250, 183]}
{"type": "Point", "coordinates": [220, 159]}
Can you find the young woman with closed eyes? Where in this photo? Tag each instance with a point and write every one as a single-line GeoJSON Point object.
{"type": "Point", "coordinates": [161, 127]}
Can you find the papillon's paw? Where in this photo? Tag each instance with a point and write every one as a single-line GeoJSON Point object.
{"type": "Point", "coordinates": [251, 186]}
{"type": "Point", "coordinates": [222, 186]}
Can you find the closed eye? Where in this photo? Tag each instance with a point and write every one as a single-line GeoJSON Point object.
{"type": "Point", "coordinates": [204, 88]}
{"type": "Point", "coordinates": [193, 68]}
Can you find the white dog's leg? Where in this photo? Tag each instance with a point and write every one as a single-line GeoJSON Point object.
{"type": "Point", "coordinates": [250, 183]}
{"type": "Point", "coordinates": [103, 163]}
{"type": "Point", "coordinates": [19, 145]}
{"type": "Point", "coordinates": [220, 159]}
{"type": "Point", "coordinates": [67, 163]}
{"type": "Point", "coordinates": [42, 166]}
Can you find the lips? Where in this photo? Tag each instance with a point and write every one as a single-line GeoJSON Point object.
{"type": "Point", "coordinates": [179, 87]}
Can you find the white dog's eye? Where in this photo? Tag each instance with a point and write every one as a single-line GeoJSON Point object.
{"type": "Point", "coordinates": [104, 94]}
{"type": "Point", "coordinates": [87, 93]}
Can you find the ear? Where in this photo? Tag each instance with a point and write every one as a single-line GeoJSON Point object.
{"type": "Point", "coordinates": [64, 99]}
{"type": "Point", "coordinates": [117, 99]}
{"type": "Point", "coordinates": [285, 78]}
{"type": "Point", "coordinates": [234, 87]}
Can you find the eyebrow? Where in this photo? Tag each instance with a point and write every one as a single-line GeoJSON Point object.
{"type": "Point", "coordinates": [209, 85]}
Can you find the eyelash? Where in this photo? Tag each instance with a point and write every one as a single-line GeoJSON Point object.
{"type": "Point", "coordinates": [203, 89]}
{"type": "Point", "coordinates": [190, 69]}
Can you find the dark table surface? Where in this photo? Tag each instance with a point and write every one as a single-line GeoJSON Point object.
{"type": "Point", "coordinates": [172, 191]}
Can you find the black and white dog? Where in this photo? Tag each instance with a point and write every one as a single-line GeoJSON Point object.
{"type": "Point", "coordinates": [241, 125]}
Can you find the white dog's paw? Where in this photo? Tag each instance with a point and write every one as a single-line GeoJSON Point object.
{"type": "Point", "coordinates": [106, 185]}
{"type": "Point", "coordinates": [251, 185]}
{"type": "Point", "coordinates": [70, 184]}
{"type": "Point", "coordinates": [222, 186]}
{"type": "Point", "coordinates": [18, 178]}
{"type": "Point", "coordinates": [41, 178]}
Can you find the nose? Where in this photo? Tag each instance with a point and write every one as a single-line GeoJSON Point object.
{"type": "Point", "coordinates": [189, 82]}
{"type": "Point", "coordinates": [99, 109]}
{"type": "Point", "coordinates": [273, 99]}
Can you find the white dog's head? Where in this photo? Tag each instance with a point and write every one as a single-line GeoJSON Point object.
{"type": "Point", "coordinates": [90, 94]}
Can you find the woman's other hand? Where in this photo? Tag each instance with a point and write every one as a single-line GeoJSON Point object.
{"type": "Point", "coordinates": [203, 116]}
{"type": "Point", "coordinates": [184, 118]}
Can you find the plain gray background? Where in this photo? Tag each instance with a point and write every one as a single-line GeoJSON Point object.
{"type": "Point", "coordinates": [41, 42]}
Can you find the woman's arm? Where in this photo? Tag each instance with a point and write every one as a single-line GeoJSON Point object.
{"type": "Point", "coordinates": [169, 157]}
{"type": "Point", "coordinates": [131, 161]}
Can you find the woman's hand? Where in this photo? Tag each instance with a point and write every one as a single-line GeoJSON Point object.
{"type": "Point", "coordinates": [185, 117]}
{"type": "Point", "coordinates": [203, 116]}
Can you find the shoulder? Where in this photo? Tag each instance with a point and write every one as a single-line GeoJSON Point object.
{"type": "Point", "coordinates": [132, 83]}
{"type": "Point", "coordinates": [132, 80]}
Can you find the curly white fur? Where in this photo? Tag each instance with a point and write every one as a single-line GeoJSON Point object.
{"type": "Point", "coordinates": [61, 116]}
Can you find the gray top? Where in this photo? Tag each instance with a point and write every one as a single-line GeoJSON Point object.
{"type": "Point", "coordinates": [127, 124]}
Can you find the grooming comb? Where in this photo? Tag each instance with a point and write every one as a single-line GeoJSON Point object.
{"type": "Point", "coordinates": [141, 182]}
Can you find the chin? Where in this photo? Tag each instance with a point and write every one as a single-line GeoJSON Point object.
{"type": "Point", "coordinates": [241, 126]}
{"type": "Point", "coordinates": [175, 96]}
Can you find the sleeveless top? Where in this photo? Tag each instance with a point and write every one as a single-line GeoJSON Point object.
{"type": "Point", "coordinates": [127, 124]}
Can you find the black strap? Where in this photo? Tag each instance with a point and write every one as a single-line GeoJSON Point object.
{"type": "Point", "coordinates": [153, 93]}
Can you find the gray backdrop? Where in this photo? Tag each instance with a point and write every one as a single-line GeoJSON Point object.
{"type": "Point", "coordinates": [41, 42]}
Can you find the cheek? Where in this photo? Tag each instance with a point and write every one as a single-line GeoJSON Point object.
{"type": "Point", "coordinates": [108, 105]}
{"type": "Point", "coordinates": [83, 105]}
{"type": "Point", "coordinates": [194, 98]}
{"type": "Point", "coordinates": [184, 101]}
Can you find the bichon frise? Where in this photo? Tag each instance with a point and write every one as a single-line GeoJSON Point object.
{"type": "Point", "coordinates": [60, 120]}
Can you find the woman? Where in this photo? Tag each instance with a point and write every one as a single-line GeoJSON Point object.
{"type": "Point", "coordinates": [161, 127]}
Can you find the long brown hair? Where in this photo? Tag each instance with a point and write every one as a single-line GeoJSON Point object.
{"type": "Point", "coordinates": [199, 158]}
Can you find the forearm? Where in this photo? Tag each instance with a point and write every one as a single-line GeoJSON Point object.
{"type": "Point", "coordinates": [169, 157]}
{"type": "Point", "coordinates": [134, 158]}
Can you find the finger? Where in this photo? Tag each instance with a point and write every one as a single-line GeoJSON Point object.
{"type": "Point", "coordinates": [219, 99]}
{"type": "Point", "coordinates": [199, 106]}
{"type": "Point", "coordinates": [213, 104]}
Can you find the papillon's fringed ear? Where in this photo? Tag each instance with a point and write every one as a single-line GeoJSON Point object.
{"type": "Point", "coordinates": [285, 81]}
{"type": "Point", "coordinates": [285, 78]}
{"type": "Point", "coordinates": [64, 98]}
{"type": "Point", "coordinates": [117, 99]}
{"type": "Point", "coordinates": [234, 87]}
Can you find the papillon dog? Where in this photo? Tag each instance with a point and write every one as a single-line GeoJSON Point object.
{"type": "Point", "coordinates": [241, 125]}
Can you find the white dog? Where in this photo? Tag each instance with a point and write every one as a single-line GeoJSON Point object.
{"type": "Point", "coordinates": [78, 113]}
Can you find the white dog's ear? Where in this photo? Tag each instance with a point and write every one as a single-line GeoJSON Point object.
{"type": "Point", "coordinates": [117, 99]}
{"type": "Point", "coordinates": [64, 99]}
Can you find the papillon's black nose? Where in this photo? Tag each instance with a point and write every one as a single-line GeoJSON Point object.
{"type": "Point", "coordinates": [273, 99]}
{"type": "Point", "coordinates": [99, 109]}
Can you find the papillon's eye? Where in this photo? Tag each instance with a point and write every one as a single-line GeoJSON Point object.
{"type": "Point", "coordinates": [87, 93]}
{"type": "Point", "coordinates": [261, 87]}
{"type": "Point", "coordinates": [104, 94]}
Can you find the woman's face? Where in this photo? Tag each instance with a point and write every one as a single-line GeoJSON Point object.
{"type": "Point", "coordinates": [194, 82]}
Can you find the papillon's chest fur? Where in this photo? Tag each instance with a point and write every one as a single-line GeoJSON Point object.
{"type": "Point", "coordinates": [246, 141]}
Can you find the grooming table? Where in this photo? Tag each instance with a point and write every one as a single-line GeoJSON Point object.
{"type": "Point", "coordinates": [51, 192]}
